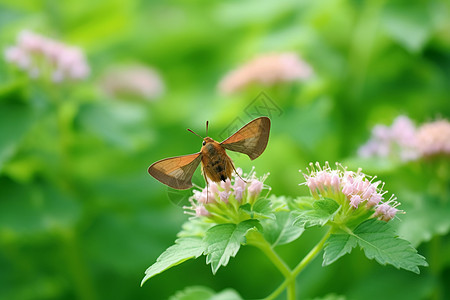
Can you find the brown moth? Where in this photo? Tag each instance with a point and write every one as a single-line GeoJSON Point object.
{"type": "Point", "coordinates": [177, 172]}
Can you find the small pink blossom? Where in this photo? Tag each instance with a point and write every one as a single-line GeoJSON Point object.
{"type": "Point", "coordinates": [355, 200]}
{"type": "Point", "coordinates": [255, 188]}
{"type": "Point", "coordinates": [224, 196]}
{"type": "Point", "coordinates": [238, 193]}
{"type": "Point", "coordinates": [374, 199]}
{"type": "Point", "coordinates": [201, 211]}
{"type": "Point", "coordinates": [386, 211]}
{"type": "Point", "coordinates": [226, 185]}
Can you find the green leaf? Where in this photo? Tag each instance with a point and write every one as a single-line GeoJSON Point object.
{"type": "Point", "coordinates": [322, 211]}
{"type": "Point", "coordinates": [185, 248]}
{"type": "Point", "coordinates": [205, 293]}
{"type": "Point", "coordinates": [279, 202]}
{"type": "Point", "coordinates": [379, 242]}
{"type": "Point", "coordinates": [336, 246]}
{"type": "Point", "coordinates": [301, 203]}
{"type": "Point", "coordinates": [261, 209]}
{"type": "Point", "coordinates": [194, 227]}
{"type": "Point", "coordinates": [224, 240]}
{"type": "Point", "coordinates": [282, 229]}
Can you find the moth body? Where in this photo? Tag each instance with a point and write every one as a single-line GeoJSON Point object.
{"type": "Point", "coordinates": [216, 164]}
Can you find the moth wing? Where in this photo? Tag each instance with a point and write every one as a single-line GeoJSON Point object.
{"type": "Point", "coordinates": [176, 172]}
{"type": "Point", "coordinates": [251, 139]}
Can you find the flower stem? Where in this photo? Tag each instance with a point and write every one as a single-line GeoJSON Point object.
{"type": "Point", "coordinates": [255, 238]}
{"type": "Point", "coordinates": [311, 255]}
{"type": "Point", "coordinates": [290, 280]}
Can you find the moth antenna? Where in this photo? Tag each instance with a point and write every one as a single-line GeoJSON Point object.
{"type": "Point", "coordinates": [194, 133]}
{"type": "Point", "coordinates": [207, 123]}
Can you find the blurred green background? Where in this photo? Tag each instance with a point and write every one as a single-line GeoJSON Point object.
{"type": "Point", "coordinates": [80, 218]}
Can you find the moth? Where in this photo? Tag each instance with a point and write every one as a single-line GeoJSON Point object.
{"type": "Point", "coordinates": [177, 172]}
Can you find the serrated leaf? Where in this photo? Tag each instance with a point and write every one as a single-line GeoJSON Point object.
{"type": "Point", "coordinates": [205, 293]}
{"type": "Point", "coordinates": [224, 240]}
{"type": "Point", "coordinates": [185, 248]}
{"type": "Point", "coordinates": [261, 209]}
{"type": "Point", "coordinates": [379, 242]}
{"type": "Point", "coordinates": [322, 211]}
{"type": "Point", "coordinates": [282, 229]}
{"type": "Point", "coordinates": [336, 246]}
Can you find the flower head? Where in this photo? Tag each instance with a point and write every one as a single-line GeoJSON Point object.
{"type": "Point", "coordinates": [268, 69]}
{"type": "Point", "coordinates": [402, 140]}
{"type": "Point", "coordinates": [132, 81]}
{"type": "Point", "coordinates": [398, 141]}
{"type": "Point", "coordinates": [434, 138]}
{"type": "Point", "coordinates": [44, 57]}
{"type": "Point", "coordinates": [221, 202]}
{"type": "Point", "coordinates": [356, 192]}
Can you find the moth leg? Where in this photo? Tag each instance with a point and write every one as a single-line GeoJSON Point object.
{"type": "Point", "coordinates": [207, 184]}
{"type": "Point", "coordinates": [238, 173]}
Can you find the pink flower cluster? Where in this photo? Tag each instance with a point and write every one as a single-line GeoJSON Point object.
{"type": "Point", "coordinates": [350, 189]}
{"type": "Point", "coordinates": [41, 56]}
{"type": "Point", "coordinates": [134, 81]}
{"type": "Point", "coordinates": [402, 140]}
{"type": "Point", "coordinates": [268, 69]}
{"type": "Point", "coordinates": [215, 200]}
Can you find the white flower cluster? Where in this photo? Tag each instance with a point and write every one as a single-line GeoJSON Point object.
{"type": "Point", "coordinates": [41, 56]}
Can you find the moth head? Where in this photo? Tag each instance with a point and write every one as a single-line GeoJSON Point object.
{"type": "Point", "coordinates": [207, 140]}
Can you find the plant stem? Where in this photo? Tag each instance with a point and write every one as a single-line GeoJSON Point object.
{"type": "Point", "coordinates": [311, 255]}
{"type": "Point", "coordinates": [290, 280]}
{"type": "Point", "coordinates": [256, 239]}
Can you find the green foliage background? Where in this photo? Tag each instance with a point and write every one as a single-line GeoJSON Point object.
{"type": "Point", "coordinates": [81, 219]}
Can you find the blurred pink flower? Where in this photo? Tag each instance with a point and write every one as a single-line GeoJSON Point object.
{"type": "Point", "coordinates": [134, 81]}
{"type": "Point", "coordinates": [41, 56]}
{"type": "Point", "coordinates": [267, 69]}
{"type": "Point", "coordinates": [402, 140]}
{"type": "Point", "coordinates": [434, 138]}
{"type": "Point", "coordinates": [398, 141]}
